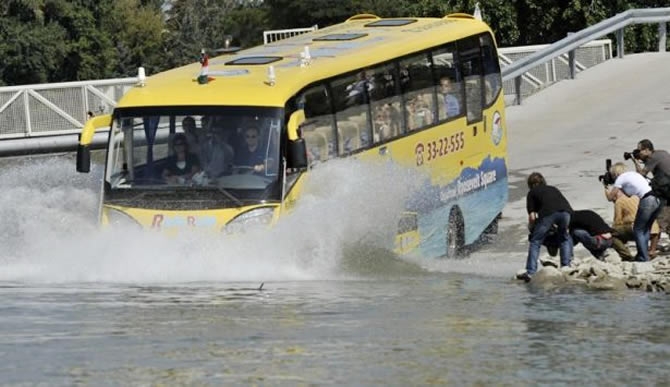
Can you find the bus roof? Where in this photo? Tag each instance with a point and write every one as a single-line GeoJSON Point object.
{"type": "Point", "coordinates": [241, 79]}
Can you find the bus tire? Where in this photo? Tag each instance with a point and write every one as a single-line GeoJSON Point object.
{"type": "Point", "coordinates": [455, 234]}
{"type": "Point", "coordinates": [492, 228]}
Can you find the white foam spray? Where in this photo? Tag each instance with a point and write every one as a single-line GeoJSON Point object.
{"type": "Point", "coordinates": [48, 231]}
{"type": "Point", "coordinates": [348, 215]}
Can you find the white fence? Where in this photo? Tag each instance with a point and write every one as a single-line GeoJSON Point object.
{"type": "Point", "coordinates": [554, 70]}
{"type": "Point", "coordinates": [275, 35]}
{"type": "Point", "coordinates": [56, 108]}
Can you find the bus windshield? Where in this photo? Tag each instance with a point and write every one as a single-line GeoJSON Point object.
{"type": "Point", "coordinates": [229, 151]}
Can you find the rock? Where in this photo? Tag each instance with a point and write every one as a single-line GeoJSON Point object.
{"type": "Point", "coordinates": [606, 283]}
{"type": "Point", "coordinates": [549, 262]}
{"type": "Point", "coordinates": [653, 276]}
{"type": "Point", "coordinates": [613, 259]}
{"type": "Point", "coordinates": [633, 283]}
{"type": "Point", "coordinates": [549, 274]}
{"type": "Point", "coordinates": [569, 271]}
{"type": "Point", "coordinates": [642, 267]}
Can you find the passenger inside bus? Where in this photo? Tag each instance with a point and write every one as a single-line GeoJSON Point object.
{"type": "Point", "coordinates": [251, 156]}
{"type": "Point", "coordinates": [387, 122]}
{"type": "Point", "coordinates": [418, 113]}
{"type": "Point", "coordinates": [192, 134]}
{"type": "Point", "coordinates": [216, 154]}
{"type": "Point", "coordinates": [450, 104]}
{"type": "Point", "coordinates": [182, 165]}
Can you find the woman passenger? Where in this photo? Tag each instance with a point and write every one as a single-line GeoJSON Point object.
{"type": "Point", "coordinates": [182, 165]}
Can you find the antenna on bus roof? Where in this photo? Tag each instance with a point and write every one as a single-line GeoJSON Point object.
{"type": "Point", "coordinates": [305, 57]}
{"type": "Point", "coordinates": [271, 75]}
{"type": "Point", "coordinates": [478, 12]}
{"type": "Point", "coordinates": [141, 77]}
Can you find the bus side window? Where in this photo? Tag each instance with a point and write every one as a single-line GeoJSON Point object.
{"type": "Point", "coordinates": [492, 78]}
{"type": "Point", "coordinates": [318, 131]}
{"type": "Point", "coordinates": [351, 95]}
{"type": "Point", "coordinates": [387, 117]}
{"type": "Point", "coordinates": [469, 55]}
{"type": "Point", "coordinates": [447, 79]}
{"type": "Point", "coordinates": [416, 80]}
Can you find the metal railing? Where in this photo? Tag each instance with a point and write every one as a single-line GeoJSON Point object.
{"type": "Point", "coordinates": [569, 44]}
{"type": "Point", "coordinates": [556, 69]}
{"type": "Point", "coordinates": [275, 35]}
{"type": "Point", "coordinates": [36, 117]}
{"type": "Point", "coordinates": [56, 108]}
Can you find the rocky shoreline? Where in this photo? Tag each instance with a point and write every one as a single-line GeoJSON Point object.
{"type": "Point", "coordinates": [609, 274]}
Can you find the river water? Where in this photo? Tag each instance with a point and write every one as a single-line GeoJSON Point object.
{"type": "Point", "coordinates": [314, 302]}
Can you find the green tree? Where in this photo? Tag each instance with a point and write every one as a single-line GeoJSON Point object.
{"type": "Point", "coordinates": [196, 24]}
{"type": "Point", "coordinates": [306, 13]}
{"type": "Point", "coordinates": [137, 27]}
{"type": "Point", "coordinates": [90, 51]}
{"type": "Point", "coordinates": [30, 47]}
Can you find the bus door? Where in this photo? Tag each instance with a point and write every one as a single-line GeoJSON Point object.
{"type": "Point", "coordinates": [470, 63]}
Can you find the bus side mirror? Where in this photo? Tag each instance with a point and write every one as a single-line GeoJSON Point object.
{"type": "Point", "coordinates": [297, 150]}
{"type": "Point", "coordinates": [86, 138]}
{"type": "Point", "coordinates": [297, 154]}
{"type": "Point", "coordinates": [83, 158]}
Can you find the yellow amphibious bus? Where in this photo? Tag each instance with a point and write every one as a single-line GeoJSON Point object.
{"type": "Point", "coordinates": [229, 144]}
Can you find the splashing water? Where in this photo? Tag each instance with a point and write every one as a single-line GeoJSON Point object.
{"type": "Point", "coordinates": [50, 234]}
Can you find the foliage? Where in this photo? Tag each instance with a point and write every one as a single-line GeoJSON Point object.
{"type": "Point", "coordinates": [196, 24]}
{"type": "Point", "coordinates": [66, 40]}
{"type": "Point", "coordinates": [138, 32]}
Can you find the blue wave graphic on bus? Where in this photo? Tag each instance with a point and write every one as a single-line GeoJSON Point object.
{"type": "Point", "coordinates": [469, 181]}
{"type": "Point", "coordinates": [480, 193]}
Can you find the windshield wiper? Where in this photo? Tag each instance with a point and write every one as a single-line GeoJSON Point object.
{"type": "Point", "coordinates": [230, 196]}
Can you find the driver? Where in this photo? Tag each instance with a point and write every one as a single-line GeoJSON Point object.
{"type": "Point", "coordinates": [251, 153]}
{"type": "Point", "coordinates": [216, 154]}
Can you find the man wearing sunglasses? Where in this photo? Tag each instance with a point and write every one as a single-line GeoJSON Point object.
{"type": "Point", "coordinates": [251, 156]}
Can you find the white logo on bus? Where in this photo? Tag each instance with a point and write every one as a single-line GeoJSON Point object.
{"type": "Point", "coordinates": [497, 131]}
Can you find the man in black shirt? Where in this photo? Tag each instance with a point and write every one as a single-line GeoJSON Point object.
{"type": "Point", "coordinates": [590, 229]}
{"type": "Point", "coordinates": [547, 209]}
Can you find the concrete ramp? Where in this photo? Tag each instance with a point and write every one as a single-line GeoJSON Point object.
{"type": "Point", "coordinates": [568, 130]}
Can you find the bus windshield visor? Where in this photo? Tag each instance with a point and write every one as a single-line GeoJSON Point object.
{"type": "Point", "coordinates": [231, 150]}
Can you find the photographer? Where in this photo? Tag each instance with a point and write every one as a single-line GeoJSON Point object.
{"type": "Point", "coordinates": [625, 209]}
{"type": "Point", "coordinates": [655, 161]}
{"type": "Point", "coordinates": [634, 184]}
{"type": "Point", "coordinates": [658, 163]}
{"type": "Point", "coordinates": [547, 209]}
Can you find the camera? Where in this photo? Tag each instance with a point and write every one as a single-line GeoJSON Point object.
{"type": "Point", "coordinates": [607, 178]}
{"type": "Point", "coordinates": [634, 154]}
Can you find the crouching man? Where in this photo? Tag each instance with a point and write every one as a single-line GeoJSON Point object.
{"type": "Point", "coordinates": [547, 210]}
{"type": "Point", "coordinates": [589, 229]}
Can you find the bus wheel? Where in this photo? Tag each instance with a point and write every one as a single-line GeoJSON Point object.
{"type": "Point", "coordinates": [455, 234]}
{"type": "Point", "coordinates": [492, 228]}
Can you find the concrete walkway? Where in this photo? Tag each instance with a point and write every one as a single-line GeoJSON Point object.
{"type": "Point", "coordinates": [568, 130]}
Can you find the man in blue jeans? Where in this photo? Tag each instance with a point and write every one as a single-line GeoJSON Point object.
{"type": "Point", "coordinates": [633, 183]}
{"type": "Point", "coordinates": [547, 208]}
{"type": "Point", "coordinates": [589, 228]}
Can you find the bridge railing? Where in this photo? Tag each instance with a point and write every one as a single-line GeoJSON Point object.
{"type": "Point", "coordinates": [554, 70]}
{"type": "Point", "coordinates": [275, 35]}
{"type": "Point", "coordinates": [568, 45]}
{"type": "Point", "coordinates": [56, 108]}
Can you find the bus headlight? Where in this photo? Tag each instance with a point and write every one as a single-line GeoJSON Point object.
{"type": "Point", "coordinates": [119, 219]}
{"type": "Point", "coordinates": [251, 219]}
